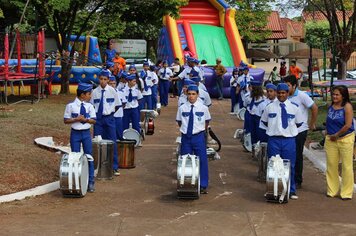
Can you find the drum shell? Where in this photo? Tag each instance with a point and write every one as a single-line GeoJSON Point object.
{"type": "Point", "coordinates": [262, 162]}
{"type": "Point", "coordinates": [188, 190]}
{"type": "Point", "coordinates": [132, 134]}
{"type": "Point", "coordinates": [270, 182]}
{"type": "Point", "coordinates": [103, 154]}
{"type": "Point", "coordinates": [150, 127]}
{"type": "Point", "coordinates": [126, 153]}
{"type": "Point", "coordinates": [83, 174]}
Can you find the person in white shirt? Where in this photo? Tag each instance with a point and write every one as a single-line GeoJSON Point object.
{"type": "Point", "coordinates": [131, 111]}
{"type": "Point", "coordinates": [282, 119]}
{"type": "Point", "coordinates": [146, 76]}
{"type": "Point", "coordinates": [271, 97]}
{"type": "Point", "coordinates": [304, 103]}
{"type": "Point", "coordinates": [243, 83]}
{"type": "Point", "coordinates": [81, 115]}
{"type": "Point", "coordinates": [183, 98]}
{"type": "Point", "coordinates": [191, 71]}
{"type": "Point", "coordinates": [154, 89]}
{"type": "Point", "coordinates": [106, 103]}
{"type": "Point", "coordinates": [233, 85]}
{"type": "Point", "coordinates": [165, 74]}
{"type": "Point", "coordinates": [119, 113]}
{"type": "Point", "coordinates": [193, 119]}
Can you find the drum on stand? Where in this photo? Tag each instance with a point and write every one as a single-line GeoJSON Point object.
{"type": "Point", "coordinates": [73, 175]}
{"type": "Point", "coordinates": [132, 134]}
{"type": "Point", "coordinates": [278, 181]}
{"type": "Point", "coordinates": [241, 114]}
{"type": "Point", "coordinates": [103, 154]}
{"type": "Point", "coordinates": [126, 153]}
{"type": "Point", "coordinates": [262, 162]}
{"type": "Point", "coordinates": [247, 143]}
{"type": "Point", "coordinates": [188, 177]}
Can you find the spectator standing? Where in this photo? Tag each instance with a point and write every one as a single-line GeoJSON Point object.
{"type": "Point", "coordinates": [220, 70]}
{"type": "Point", "coordinates": [339, 144]}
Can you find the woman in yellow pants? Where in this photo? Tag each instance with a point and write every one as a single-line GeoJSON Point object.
{"type": "Point", "coordinates": [339, 144]}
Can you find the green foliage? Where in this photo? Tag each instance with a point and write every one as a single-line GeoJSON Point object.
{"type": "Point", "coordinates": [251, 19]}
{"type": "Point", "coordinates": [316, 33]}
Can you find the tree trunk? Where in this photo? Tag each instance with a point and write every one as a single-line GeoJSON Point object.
{"type": "Point", "coordinates": [341, 69]}
{"type": "Point", "coordinates": [66, 68]}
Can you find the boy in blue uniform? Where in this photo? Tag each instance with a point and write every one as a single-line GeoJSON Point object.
{"type": "Point", "coordinates": [106, 102]}
{"type": "Point", "coordinates": [193, 119]}
{"type": "Point", "coordinates": [81, 114]}
{"type": "Point", "coordinates": [165, 74]}
{"type": "Point", "coordinates": [282, 119]}
{"type": "Point", "coordinates": [146, 76]}
{"type": "Point", "coordinates": [131, 111]}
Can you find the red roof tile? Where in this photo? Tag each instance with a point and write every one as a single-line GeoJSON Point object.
{"type": "Point", "coordinates": [318, 15]}
{"type": "Point", "coordinates": [274, 22]}
{"type": "Point", "coordinates": [277, 35]}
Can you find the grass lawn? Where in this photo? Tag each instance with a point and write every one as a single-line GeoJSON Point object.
{"type": "Point", "coordinates": [24, 165]}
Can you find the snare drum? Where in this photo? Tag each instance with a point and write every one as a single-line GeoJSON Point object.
{"type": "Point", "coordinates": [150, 126]}
{"type": "Point", "coordinates": [188, 177]}
{"type": "Point", "coordinates": [126, 152]}
{"type": "Point", "coordinates": [103, 154]}
{"type": "Point", "coordinates": [73, 175]}
{"type": "Point", "coordinates": [241, 114]}
{"type": "Point", "coordinates": [247, 142]}
{"type": "Point", "coordinates": [132, 134]}
{"type": "Point", "coordinates": [275, 193]}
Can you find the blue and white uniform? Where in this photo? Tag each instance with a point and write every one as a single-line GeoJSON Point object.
{"type": "Point", "coordinates": [119, 114]}
{"type": "Point", "coordinates": [106, 102]}
{"type": "Point", "coordinates": [190, 72]}
{"type": "Point", "coordinates": [154, 89]}
{"type": "Point", "coordinates": [254, 108]}
{"type": "Point", "coordinates": [304, 103]}
{"type": "Point", "coordinates": [243, 81]}
{"type": "Point", "coordinates": [281, 131]}
{"type": "Point", "coordinates": [193, 135]}
{"type": "Point", "coordinates": [131, 110]}
{"type": "Point", "coordinates": [164, 75]}
{"type": "Point", "coordinates": [80, 133]}
{"type": "Point", "coordinates": [146, 77]}
{"type": "Point", "coordinates": [233, 85]}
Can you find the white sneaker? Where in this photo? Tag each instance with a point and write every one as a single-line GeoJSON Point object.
{"type": "Point", "coordinates": [293, 196]}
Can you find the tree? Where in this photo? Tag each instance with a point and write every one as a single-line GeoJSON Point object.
{"type": "Point", "coordinates": [104, 18]}
{"type": "Point", "coordinates": [341, 18]}
{"type": "Point", "coordinates": [251, 18]}
{"type": "Point", "coordinates": [316, 33]}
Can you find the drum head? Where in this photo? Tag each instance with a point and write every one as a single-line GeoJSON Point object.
{"type": "Point", "coordinates": [241, 114]}
{"type": "Point", "coordinates": [132, 134]}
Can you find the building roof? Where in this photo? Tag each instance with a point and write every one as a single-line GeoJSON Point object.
{"type": "Point", "coordinates": [318, 15]}
{"type": "Point", "coordinates": [275, 25]}
{"type": "Point", "coordinates": [295, 27]}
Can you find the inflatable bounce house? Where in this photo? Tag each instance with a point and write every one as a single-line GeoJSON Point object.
{"type": "Point", "coordinates": [29, 70]}
{"type": "Point", "coordinates": [209, 29]}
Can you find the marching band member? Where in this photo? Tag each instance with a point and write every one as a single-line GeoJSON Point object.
{"type": "Point", "coordinates": [233, 85]}
{"type": "Point", "coordinates": [165, 74]}
{"type": "Point", "coordinates": [131, 110]}
{"type": "Point", "coordinates": [304, 103]}
{"type": "Point", "coordinates": [119, 113]}
{"type": "Point", "coordinates": [146, 76]}
{"type": "Point", "coordinates": [106, 103]}
{"type": "Point", "coordinates": [193, 119]}
{"type": "Point", "coordinates": [243, 84]}
{"type": "Point", "coordinates": [203, 94]}
{"type": "Point", "coordinates": [154, 89]}
{"type": "Point", "coordinates": [282, 119]}
{"type": "Point", "coordinates": [271, 97]}
{"type": "Point", "coordinates": [81, 114]}
{"type": "Point", "coordinates": [183, 98]}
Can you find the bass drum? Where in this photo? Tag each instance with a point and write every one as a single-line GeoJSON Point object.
{"type": "Point", "coordinates": [73, 175]}
{"type": "Point", "coordinates": [132, 134]}
{"type": "Point", "coordinates": [150, 126]}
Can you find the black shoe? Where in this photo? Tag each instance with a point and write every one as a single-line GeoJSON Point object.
{"type": "Point", "coordinates": [346, 198]}
{"type": "Point", "coordinates": [293, 196]}
{"type": "Point", "coordinates": [203, 191]}
{"type": "Point", "coordinates": [91, 188]}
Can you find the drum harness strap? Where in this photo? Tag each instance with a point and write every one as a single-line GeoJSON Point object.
{"type": "Point", "coordinates": [184, 162]}
{"type": "Point", "coordinates": [74, 162]}
{"type": "Point", "coordinates": [278, 168]}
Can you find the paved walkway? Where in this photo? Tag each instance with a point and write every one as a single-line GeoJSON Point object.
{"type": "Point", "coordinates": [142, 201]}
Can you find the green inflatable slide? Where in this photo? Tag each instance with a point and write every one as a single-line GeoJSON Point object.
{"type": "Point", "coordinates": [211, 43]}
